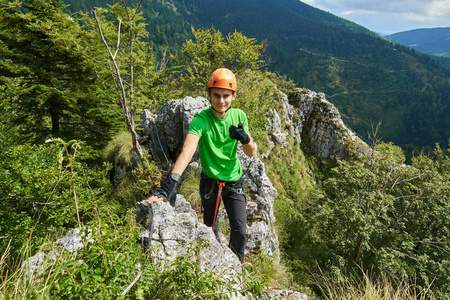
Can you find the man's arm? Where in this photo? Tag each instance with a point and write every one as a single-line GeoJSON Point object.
{"type": "Point", "coordinates": [250, 148]}
{"type": "Point", "coordinates": [189, 147]}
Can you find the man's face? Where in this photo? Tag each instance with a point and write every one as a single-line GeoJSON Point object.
{"type": "Point", "coordinates": [221, 99]}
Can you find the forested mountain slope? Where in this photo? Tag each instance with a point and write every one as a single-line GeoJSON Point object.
{"type": "Point", "coordinates": [429, 40]}
{"type": "Point", "coordinates": [367, 77]}
{"type": "Point", "coordinates": [434, 41]}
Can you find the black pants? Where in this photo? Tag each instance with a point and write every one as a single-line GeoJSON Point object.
{"type": "Point", "coordinates": [234, 200]}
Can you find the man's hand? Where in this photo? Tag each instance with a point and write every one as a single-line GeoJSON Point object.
{"type": "Point", "coordinates": [167, 189]}
{"type": "Point", "coordinates": [153, 198]}
{"type": "Point", "coordinates": [238, 133]}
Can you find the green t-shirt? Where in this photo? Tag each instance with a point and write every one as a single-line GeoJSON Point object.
{"type": "Point", "coordinates": [218, 152]}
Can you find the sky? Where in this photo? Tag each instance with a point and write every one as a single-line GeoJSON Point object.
{"type": "Point", "coordinates": [389, 16]}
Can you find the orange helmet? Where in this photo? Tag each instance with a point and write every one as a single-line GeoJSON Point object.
{"type": "Point", "coordinates": [223, 78]}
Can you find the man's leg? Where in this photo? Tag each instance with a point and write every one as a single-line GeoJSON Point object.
{"type": "Point", "coordinates": [235, 204]}
{"type": "Point", "coordinates": [208, 193]}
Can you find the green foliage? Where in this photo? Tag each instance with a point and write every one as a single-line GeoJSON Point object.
{"type": "Point", "coordinates": [268, 271]}
{"type": "Point", "coordinates": [112, 266]}
{"type": "Point", "coordinates": [211, 50]}
{"type": "Point", "coordinates": [340, 286]}
{"type": "Point", "coordinates": [44, 189]}
{"type": "Point", "coordinates": [257, 96]}
{"type": "Point", "coordinates": [101, 270]}
{"type": "Point", "coordinates": [383, 216]}
{"type": "Point", "coordinates": [295, 176]}
{"type": "Point", "coordinates": [183, 279]}
{"type": "Point", "coordinates": [368, 77]}
{"type": "Point", "coordinates": [60, 96]}
{"type": "Point", "coordinates": [137, 184]}
{"type": "Point", "coordinates": [376, 216]}
{"type": "Point", "coordinates": [189, 188]}
{"type": "Point", "coordinates": [133, 181]}
{"type": "Point", "coordinates": [118, 151]}
{"type": "Point", "coordinates": [257, 91]}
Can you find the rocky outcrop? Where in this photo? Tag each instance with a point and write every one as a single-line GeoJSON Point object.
{"type": "Point", "coordinates": [163, 134]}
{"type": "Point", "coordinates": [171, 230]}
{"type": "Point", "coordinates": [71, 242]}
{"type": "Point", "coordinates": [306, 116]}
{"type": "Point", "coordinates": [314, 123]}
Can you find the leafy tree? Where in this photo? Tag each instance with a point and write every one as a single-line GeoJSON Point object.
{"type": "Point", "coordinates": [384, 217]}
{"type": "Point", "coordinates": [62, 98]}
{"type": "Point", "coordinates": [114, 40]}
{"type": "Point", "coordinates": [211, 50]}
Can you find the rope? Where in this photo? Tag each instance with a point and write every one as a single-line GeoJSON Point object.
{"type": "Point", "coordinates": [160, 144]}
{"type": "Point", "coordinates": [219, 194]}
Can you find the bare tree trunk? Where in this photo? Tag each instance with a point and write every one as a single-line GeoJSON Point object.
{"type": "Point", "coordinates": [358, 248]}
{"type": "Point", "coordinates": [126, 101]}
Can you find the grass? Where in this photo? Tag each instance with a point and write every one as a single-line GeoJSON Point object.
{"type": "Point", "coordinates": [339, 287]}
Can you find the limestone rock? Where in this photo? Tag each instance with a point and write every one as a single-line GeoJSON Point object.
{"type": "Point", "coordinates": [71, 242]}
{"type": "Point", "coordinates": [321, 127]}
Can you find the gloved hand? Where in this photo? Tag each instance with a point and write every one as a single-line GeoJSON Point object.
{"type": "Point", "coordinates": [169, 188]}
{"type": "Point", "coordinates": [238, 133]}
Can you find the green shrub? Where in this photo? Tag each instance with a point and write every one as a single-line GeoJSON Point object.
{"type": "Point", "coordinates": [44, 189]}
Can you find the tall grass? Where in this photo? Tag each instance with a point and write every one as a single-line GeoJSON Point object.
{"type": "Point", "coordinates": [113, 266]}
{"type": "Point", "coordinates": [336, 286]}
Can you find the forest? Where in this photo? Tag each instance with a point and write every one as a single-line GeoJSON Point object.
{"type": "Point", "coordinates": [72, 90]}
{"type": "Point", "coordinates": [369, 78]}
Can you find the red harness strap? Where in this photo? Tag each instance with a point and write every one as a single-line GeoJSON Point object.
{"type": "Point", "coordinates": [221, 184]}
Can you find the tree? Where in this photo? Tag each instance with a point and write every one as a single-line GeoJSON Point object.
{"type": "Point", "coordinates": [381, 216]}
{"type": "Point", "coordinates": [211, 50]}
{"type": "Point", "coordinates": [113, 39]}
{"type": "Point", "coordinates": [62, 98]}
{"type": "Point", "coordinates": [124, 83]}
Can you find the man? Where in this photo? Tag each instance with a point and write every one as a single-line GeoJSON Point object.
{"type": "Point", "coordinates": [216, 131]}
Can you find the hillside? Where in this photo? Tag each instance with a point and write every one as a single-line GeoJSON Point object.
{"type": "Point", "coordinates": [429, 40]}
{"type": "Point", "coordinates": [435, 41]}
{"type": "Point", "coordinates": [367, 77]}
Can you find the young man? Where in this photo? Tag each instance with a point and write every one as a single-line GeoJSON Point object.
{"type": "Point", "coordinates": [216, 131]}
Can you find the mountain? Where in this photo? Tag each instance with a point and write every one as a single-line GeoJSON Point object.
{"type": "Point", "coordinates": [429, 40]}
{"type": "Point", "coordinates": [369, 78]}
{"type": "Point", "coordinates": [435, 41]}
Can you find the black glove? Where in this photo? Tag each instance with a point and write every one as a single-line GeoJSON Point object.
{"type": "Point", "coordinates": [238, 133]}
{"type": "Point", "coordinates": [168, 189]}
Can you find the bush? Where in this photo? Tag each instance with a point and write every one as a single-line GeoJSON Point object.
{"type": "Point", "coordinates": [44, 189]}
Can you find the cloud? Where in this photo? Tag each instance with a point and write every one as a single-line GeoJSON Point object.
{"type": "Point", "coordinates": [439, 9]}
{"type": "Point", "coordinates": [358, 12]}
{"type": "Point", "coordinates": [430, 8]}
{"type": "Point", "coordinates": [389, 16]}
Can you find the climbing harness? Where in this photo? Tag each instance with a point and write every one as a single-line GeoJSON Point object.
{"type": "Point", "coordinates": [221, 184]}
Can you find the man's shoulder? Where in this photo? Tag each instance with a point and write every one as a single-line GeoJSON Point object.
{"type": "Point", "coordinates": [202, 115]}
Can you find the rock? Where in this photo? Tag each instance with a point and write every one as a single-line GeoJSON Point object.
{"type": "Point", "coordinates": [71, 242]}
{"type": "Point", "coordinates": [176, 228]}
{"type": "Point", "coordinates": [163, 134]}
{"type": "Point", "coordinates": [320, 126]}
{"type": "Point", "coordinates": [288, 295]}
{"type": "Point", "coordinates": [260, 198]}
